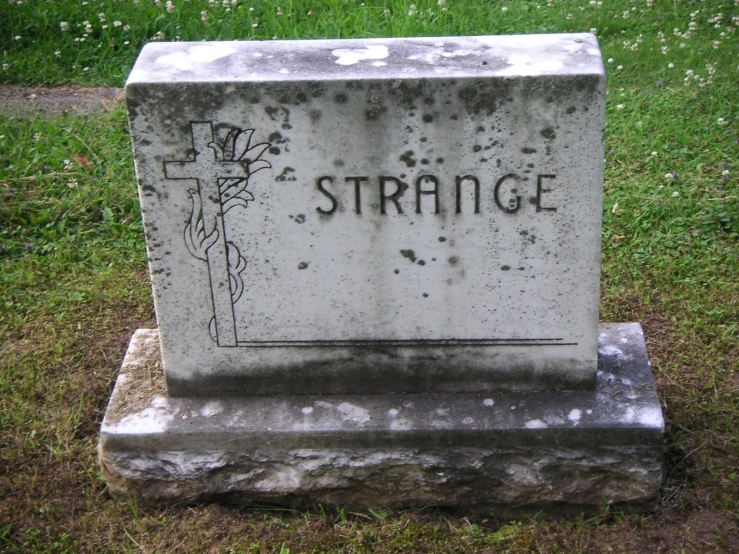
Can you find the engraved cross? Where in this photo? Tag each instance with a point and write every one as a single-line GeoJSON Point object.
{"type": "Point", "coordinates": [205, 167]}
{"type": "Point", "coordinates": [208, 168]}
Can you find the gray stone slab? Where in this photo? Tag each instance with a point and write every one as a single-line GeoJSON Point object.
{"type": "Point", "coordinates": [466, 450]}
{"type": "Point", "coordinates": [366, 216]}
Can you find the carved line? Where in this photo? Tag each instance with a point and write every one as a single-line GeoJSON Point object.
{"type": "Point", "coordinates": [411, 342]}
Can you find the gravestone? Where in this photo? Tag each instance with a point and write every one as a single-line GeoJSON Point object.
{"type": "Point", "coordinates": [375, 267]}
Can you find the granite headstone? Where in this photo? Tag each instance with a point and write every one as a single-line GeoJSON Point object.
{"type": "Point", "coordinates": [408, 232]}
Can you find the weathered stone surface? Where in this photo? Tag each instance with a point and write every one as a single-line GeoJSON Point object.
{"type": "Point", "coordinates": [385, 215]}
{"type": "Point", "coordinates": [466, 450]}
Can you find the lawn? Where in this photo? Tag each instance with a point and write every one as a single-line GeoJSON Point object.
{"type": "Point", "coordinates": [74, 285]}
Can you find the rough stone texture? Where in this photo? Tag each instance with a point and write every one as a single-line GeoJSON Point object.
{"type": "Point", "coordinates": [515, 449]}
{"type": "Point", "coordinates": [313, 224]}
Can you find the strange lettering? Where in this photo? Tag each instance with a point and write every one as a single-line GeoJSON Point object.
{"type": "Point", "coordinates": [387, 194]}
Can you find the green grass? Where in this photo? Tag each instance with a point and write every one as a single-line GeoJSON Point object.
{"type": "Point", "coordinates": [73, 284]}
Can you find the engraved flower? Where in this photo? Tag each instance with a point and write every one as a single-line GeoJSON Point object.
{"type": "Point", "coordinates": [236, 146]}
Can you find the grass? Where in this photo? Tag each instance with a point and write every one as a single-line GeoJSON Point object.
{"type": "Point", "coordinates": [74, 284]}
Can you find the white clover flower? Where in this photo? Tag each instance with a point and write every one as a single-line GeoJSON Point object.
{"type": "Point", "coordinates": [64, 26]}
{"type": "Point", "coordinates": [58, 53]}
{"type": "Point", "coordinates": [254, 25]}
{"type": "Point", "coordinates": [204, 16]}
{"type": "Point", "coordinates": [610, 60]}
{"type": "Point", "coordinates": [670, 176]}
{"type": "Point", "coordinates": [126, 27]}
{"type": "Point", "coordinates": [721, 121]}
{"type": "Point", "coordinates": [593, 30]}
{"type": "Point", "coordinates": [504, 9]}
{"type": "Point", "coordinates": [725, 173]}
{"type": "Point", "coordinates": [72, 184]}
{"type": "Point", "coordinates": [117, 23]}
{"type": "Point", "coordinates": [101, 17]}
{"type": "Point", "coordinates": [17, 37]}
{"type": "Point", "coordinates": [670, 65]}
{"type": "Point", "coordinates": [441, 2]}
{"type": "Point", "coordinates": [620, 67]}
{"type": "Point", "coordinates": [126, 43]}
{"type": "Point", "coordinates": [620, 107]}
{"type": "Point", "coordinates": [675, 194]}
{"type": "Point", "coordinates": [38, 137]}
{"type": "Point", "coordinates": [654, 154]}
{"type": "Point", "coordinates": [170, 6]}
{"type": "Point", "coordinates": [6, 66]}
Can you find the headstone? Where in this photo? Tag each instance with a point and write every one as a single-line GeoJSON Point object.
{"type": "Point", "coordinates": [353, 220]}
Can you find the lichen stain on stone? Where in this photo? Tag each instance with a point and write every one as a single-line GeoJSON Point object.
{"type": "Point", "coordinates": [409, 254]}
{"type": "Point", "coordinates": [277, 138]}
{"type": "Point", "coordinates": [483, 96]}
{"type": "Point", "coordinates": [407, 94]}
{"type": "Point", "coordinates": [548, 133]}
{"type": "Point", "coordinates": [375, 109]}
{"type": "Point", "coordinates": [286, 175]}
{"type": "Point", "coordinates": [408, 159]}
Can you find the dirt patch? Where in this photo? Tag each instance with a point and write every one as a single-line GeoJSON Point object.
{"type": "Point", "coordinates": [26, 101]}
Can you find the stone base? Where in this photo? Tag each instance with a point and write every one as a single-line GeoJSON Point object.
{"type": "Point", "coordinates": [469, 451]}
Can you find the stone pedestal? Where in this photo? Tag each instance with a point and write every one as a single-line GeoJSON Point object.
{"type": "Point", "coordinates": [467, 450]}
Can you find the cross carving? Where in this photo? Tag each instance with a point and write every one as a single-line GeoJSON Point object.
{"type": "Point", "coordinates": [208, 170]}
